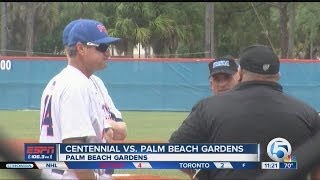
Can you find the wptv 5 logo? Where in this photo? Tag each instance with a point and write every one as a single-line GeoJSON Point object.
{"type": "Point", "coordinates": [40, 152]}
{"type": "Point", "coordinates": [279, 150]}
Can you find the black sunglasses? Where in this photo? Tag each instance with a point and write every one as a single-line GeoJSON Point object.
{"type": "Point", "coordinates": [99, 47]}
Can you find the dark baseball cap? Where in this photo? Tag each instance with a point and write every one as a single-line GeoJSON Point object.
{"type": "Point", "coordinates": [225, 65]}
{"type": "Point", "coordinates": [259, 59]}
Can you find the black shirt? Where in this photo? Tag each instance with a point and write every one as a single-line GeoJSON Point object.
{"type": "Point", "coordinates": [252, 112]}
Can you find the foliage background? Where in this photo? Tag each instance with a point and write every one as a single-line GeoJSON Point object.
{"type": "Point", "coordinates": [172, 29]}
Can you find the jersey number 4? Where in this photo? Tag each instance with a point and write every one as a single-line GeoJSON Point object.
{"type": "Point", "coordinates": [46, 117]}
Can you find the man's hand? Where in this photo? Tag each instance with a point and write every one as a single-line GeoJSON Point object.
{"type": "Point", "coordinates": [119, 130]}
{"type": "Point", "coordinates": [108, 134]}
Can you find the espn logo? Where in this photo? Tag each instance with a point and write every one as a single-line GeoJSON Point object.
{"type": "Point", "coordinates": [40, 149]}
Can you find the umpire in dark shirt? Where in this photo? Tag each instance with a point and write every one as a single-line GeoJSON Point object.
{"type": "Point", "coordinates": [254, 111]}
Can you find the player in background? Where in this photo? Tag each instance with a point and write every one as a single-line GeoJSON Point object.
{"type": "Point", "coordinates": [223, 74]}
{"type": "Point", "coordinates": [112, 114]}
{"type": "Point", "coordinates": [69, 110]}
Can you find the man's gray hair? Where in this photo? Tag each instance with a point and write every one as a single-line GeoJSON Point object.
{"type": "Point", "coordinates": [71, 51]}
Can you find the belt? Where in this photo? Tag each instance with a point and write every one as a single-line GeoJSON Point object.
{"type": "Point", "coordinates": [58, 171]}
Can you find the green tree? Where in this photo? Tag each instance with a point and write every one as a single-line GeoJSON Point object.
{"type": "Point", "coordinates": [178, 28]}
{"type": "Point", "coordinates": [26, 21]}
{"type": "Point", "coordinates": [171, 29]}
{"type": "Point", "coordinates": [61, 14]}
{"type": "Point", "coordinates": [291, 29]}
{"type": "Point", "coordinates": [4, 25]}
{"type": "Point", "coordinates": [240, 24]}
{"type": "Point", "coordinates": [192, 29]}
{"type": "Point", "coordinates": [130, 25]}
{"type": "Point", "coordinates": [307, 30]}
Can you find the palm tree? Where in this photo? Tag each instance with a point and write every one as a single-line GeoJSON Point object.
{"type": "Point", "coordinates": [190, 23]}
{"type": "Point", "coordinates": [162, 26]}
{"type": "Point", "coordinates": [162, 29]}
{"type": "Point", "coordinates": [38, 18]}
{"type": "Point", "coordinates": [208, 28]}
{"type": "Point", "coordinates": [166, 30]}
{"type": "Point", "coordinates": [16, 19]}
{"type": "Point", "coordinates": [31, 8]}
{"type": "Point", "coordinates": [3, 28]}
{"type": "Point", "coordinates": [131, 26]}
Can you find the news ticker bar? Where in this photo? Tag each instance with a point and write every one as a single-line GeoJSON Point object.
{"type": "Point", "coordinates": [142, 152]}
{"type": "Point", "coordinates": [148, 165]}
{"type": "Point", "coordinates": [157, 157]}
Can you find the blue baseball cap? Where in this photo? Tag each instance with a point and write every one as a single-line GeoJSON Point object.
{"type": "Point", "coordinates": [66, 31]}
{"type": "Point", "coordinates": [89, 31]}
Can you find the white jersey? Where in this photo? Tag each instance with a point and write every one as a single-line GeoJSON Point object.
{"type": "Point", "coordinates": [105, 101]}
{"type": "Point", "coordinates": [69, 109]}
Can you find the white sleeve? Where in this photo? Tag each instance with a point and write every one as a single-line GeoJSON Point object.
{"type": "Point", "coordinates": [111, 105]}
{"type": "Point", "coordinates": [75, 113]}
{"type": "Point", "coordinates": [113, 108]}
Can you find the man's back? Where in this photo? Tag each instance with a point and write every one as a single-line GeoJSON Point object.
{"type": "Point", "coordinates": [254, 111]}
{"type": "Point", "coordinates": [271, 114]}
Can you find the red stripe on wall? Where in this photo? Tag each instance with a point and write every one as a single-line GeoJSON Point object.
{"type": "Point", "coordinates": [35, 58]}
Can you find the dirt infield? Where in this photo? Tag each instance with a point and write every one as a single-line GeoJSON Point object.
{"type": "Point", "coordinates": [16, 146]}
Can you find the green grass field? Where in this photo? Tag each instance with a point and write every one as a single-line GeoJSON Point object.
{"type": "Point", "coordinates": [142, 126]}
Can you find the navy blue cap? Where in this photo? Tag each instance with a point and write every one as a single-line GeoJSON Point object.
{"type": "Point", "coordinates": [85, 31]}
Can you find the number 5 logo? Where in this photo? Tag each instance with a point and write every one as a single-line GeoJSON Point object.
{"type": "Point", "coordinates": [278, 149]}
